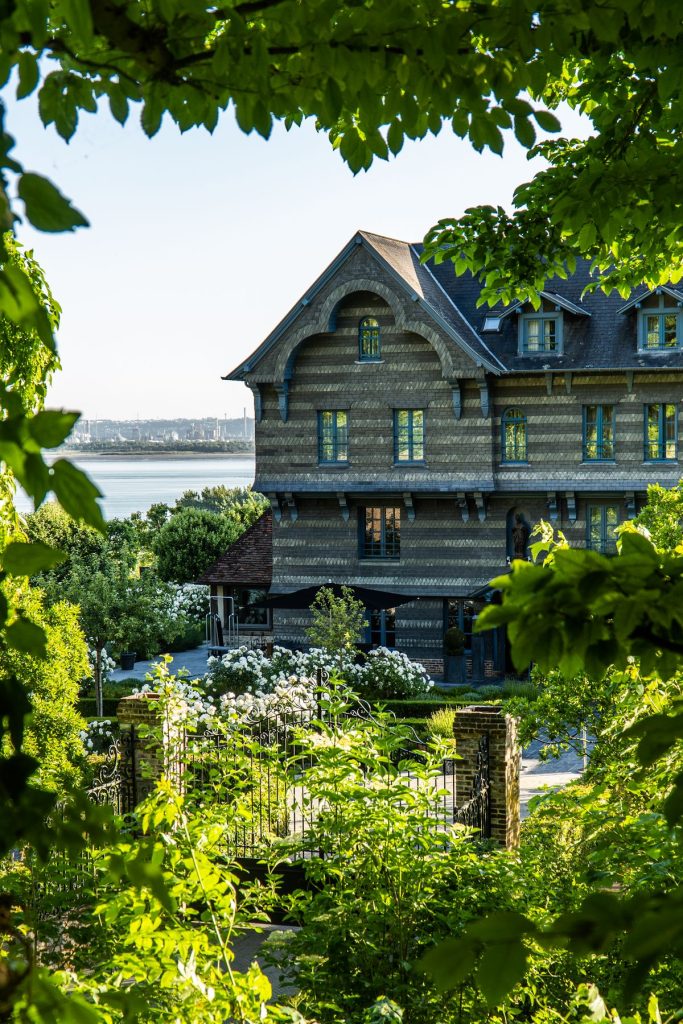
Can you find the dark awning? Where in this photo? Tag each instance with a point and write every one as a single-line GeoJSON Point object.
{"type": "Point", "coordinates": [371, 598]}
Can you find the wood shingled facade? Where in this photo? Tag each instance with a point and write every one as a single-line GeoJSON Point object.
{"type": "Point", "coordinates": [461, 369]}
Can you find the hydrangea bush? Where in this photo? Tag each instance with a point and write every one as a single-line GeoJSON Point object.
{"type": "Point", "coordinates": [386, 674]}
{"type": "Point", "coordinates": [389, 674]}
{"type": "Point", "coordinates": [189, 601]}
{"type": "Point", "coordinates": [248, 670]}
{"type": "Point", "coordinates": [199, 709]}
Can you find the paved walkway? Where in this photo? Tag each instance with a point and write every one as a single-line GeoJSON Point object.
{"type": "Point", "coordinates": [194, 661]}
{"type": "Point", "coordinates": [540, 776]}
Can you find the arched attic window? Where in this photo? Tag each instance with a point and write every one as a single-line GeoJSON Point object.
{"type": "Point", "coordinates": [513, 440]}
{"type": "Point", "coordinates": [369, 349]}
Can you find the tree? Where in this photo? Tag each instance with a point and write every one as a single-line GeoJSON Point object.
{"type": "Point", "coordinates": [54, 726]}
{"type": "Point", "coordinates": [190, 541]}
{"type": "Point", "coordinates": [578, 612]}
{"type": "Point", "coordinates": [51, 525]}
{"type": "Point", "coordinates": [338, 622]}
{"type": "Point", "coordinates": [662, 516]}
{"type": "Point", "coordinates": [244, 504]}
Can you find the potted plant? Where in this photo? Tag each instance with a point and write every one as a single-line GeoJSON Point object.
{"type": "Point", "coordinates": [454, 648]}
{"type": "Point", "coordinates": [127, 659]}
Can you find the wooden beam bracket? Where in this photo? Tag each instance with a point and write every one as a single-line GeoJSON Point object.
{"type": "Point", "coordinates": [480, 502]}
{"type": "Point", "coordinates": [343, 506]}
{"type": "Point", "coordinates": [258, 401]}
{"type": "Point", "coordinates": [568, 382]}
{"type": "Point", "coordinates": [630, 502]}
{"type": "Point", "coordinates": [409, 506]}
{"type": "Point", "coordinates": [463, 506]}
{"type": "Point", "coordinates": [275, 505]}
{"type": "Point", "coordinates": [570, 498]}
{"type": "Point", "coordinates": [291, 507]}
{"type": "Point", "coordinates": [552, 506]}
{"type": "Point", "coordinates": [548, 383]}
{"type": "Point", "coordinates": [629, 381]}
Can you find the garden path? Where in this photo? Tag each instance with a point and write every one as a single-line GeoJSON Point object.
{"type": "Point", "coordinates": [194, 661]}
{"type": "Point", "coordinates": [540, 776]}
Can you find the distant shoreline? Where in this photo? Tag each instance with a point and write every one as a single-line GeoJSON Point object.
{"type": "Point", "coordinates": [71, 453]}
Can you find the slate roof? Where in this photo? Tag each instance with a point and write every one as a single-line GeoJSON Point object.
{"type": "Point", "coordinates": [249, 561]}
{"type": "Point", "coordinates": [607, 339]}
{"type": "Point", "coordinates": [599, 331]}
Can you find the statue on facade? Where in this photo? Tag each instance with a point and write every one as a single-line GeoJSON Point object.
{"type": "Point", "coordinates": [520, 537]}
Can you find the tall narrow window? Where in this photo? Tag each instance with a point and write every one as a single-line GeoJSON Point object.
{"type": "Point", "coordinates": [598, 433]}
{"type": "Point", "coordinates": [382, 627]}
{"type": "Point", "coordinates": [514, 436]}
{"type": "Point", "coordinates": [380, 532]}
{"type": "Point", "coordinates": [409, 435]}
{"type": "Point", "coordinates": [333, 436]}
{"type": "Point", "coordinates": [540, 332]}
{"type": "Point", "coordinates": [369, 339]}
{"type": "Point", "coordinates": [660, 432]}
{"type": "Point", "coordinates": [602, 520]}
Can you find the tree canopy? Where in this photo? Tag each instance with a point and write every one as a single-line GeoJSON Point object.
{"type": "Point", "coordinates": [372, 75]}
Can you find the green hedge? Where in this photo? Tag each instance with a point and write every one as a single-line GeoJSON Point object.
{"type": "Point", "coordinates": [88, 708]}
{"type": "Point", "coordinates": [424, 708]}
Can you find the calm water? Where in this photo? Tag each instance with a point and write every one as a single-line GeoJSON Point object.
{"type": "Point", "coordinates": [132, 485]}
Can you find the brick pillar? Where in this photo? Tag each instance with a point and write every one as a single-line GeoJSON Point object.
{"type": "Point", "coordinates": [157, 753]}
{"type": "Point", "coordinates": [505, 761]}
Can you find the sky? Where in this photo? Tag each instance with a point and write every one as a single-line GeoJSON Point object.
{"type": "Point", "coordinates": [199, 244]}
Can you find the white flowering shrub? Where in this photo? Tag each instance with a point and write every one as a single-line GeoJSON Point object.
{"type": "Point", "coordinates": [243, 670]}
{"type": "Point", "coordinates": [390, 674]}
{"type": "Point", "coordinates": [385, 674]}
{"type": "Point", "coordinates": [189, 601]}
{"type": "Point", "coordinates": [248, 670]}
{"type": "Point", "coordinates": [98, 736]}
{"type": "Point", "coordinates": [198, 709]}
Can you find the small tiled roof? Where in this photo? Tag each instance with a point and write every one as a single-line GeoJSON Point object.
{"type": "Point", "coordinates": [249, 561]}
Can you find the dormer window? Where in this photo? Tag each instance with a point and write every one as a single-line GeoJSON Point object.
{"type": "Point", "coordinates": [660, 329]}
{"type": "Point", "coordinates": [369, 340]}
{"type": "Point", "coordinates": [540, 333]}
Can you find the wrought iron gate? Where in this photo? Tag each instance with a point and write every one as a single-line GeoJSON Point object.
{"type": "Point", "coordinates": [114, 782]}
{"type": "Point", "coordinates": [476, 811]}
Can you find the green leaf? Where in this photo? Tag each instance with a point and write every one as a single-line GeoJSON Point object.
{"type": "Point", "coordinates": [449, 963]}
{"type": "Point", "coordinates": [19, 559]}
{"type": "Point", "coordinates": [118, 104]}
{"type": "Point", "coordinates": [46, 207]}
{"type": "Point", "coordinates": [52, 426]}
{"type": "Point", "coordinates": [25, 636]}
{"type": "Point", "coordinates": [77, 494]}
{"type": "Point", "coordinates": [152, 113]}
{"type": "Point", "coordinates": [28, 74]}
{"type": "Point", "coordinates": [18, 301]}
{"type": "Point", "coordinates": [524, 132]}
{"type": "Point", "coordinates": [78, 17]}
{"type": "Point", "coordinates": [499, 970]}
{"type": "Point", "coordinates": [395, 137]}
{"type": "Point", "coordinates": [547, 121]}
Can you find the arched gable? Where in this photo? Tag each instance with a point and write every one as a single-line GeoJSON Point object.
{"type": "Point", "coordinates": [324, 323]}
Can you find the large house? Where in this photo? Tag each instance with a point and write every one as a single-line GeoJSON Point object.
{"type": "Point", "coordinates": [407, 440]}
